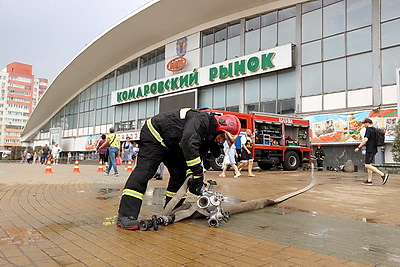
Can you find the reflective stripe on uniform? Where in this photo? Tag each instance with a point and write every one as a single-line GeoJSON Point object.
{"type": "Point", "coordinates": [182, 112]}
{"type": "Point", "coordinates": [172, 194]}
{"type": "Point", "coordinates": [132, 193]}
{"type": "Point", "coordinates": [196, 176]}
{"type": "Point", "coordinates": [155, 133]}
{"type": "Point", "coordinates": [193, 162]}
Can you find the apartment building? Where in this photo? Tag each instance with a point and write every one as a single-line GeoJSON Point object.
{"type": "Point", "coordinates": [20, 93]}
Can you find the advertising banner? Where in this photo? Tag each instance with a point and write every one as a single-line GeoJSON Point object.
{"type": "Point", "coordinates": [347, 127]}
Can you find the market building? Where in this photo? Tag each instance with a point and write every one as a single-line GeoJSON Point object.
{"type": "Point", "coordinates": [331, 61]}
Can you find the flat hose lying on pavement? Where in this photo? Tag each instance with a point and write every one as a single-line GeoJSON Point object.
{"type": "Point", "coordinates": [189, 209]}
{"type": "Point", "coordinates": [263, 202]}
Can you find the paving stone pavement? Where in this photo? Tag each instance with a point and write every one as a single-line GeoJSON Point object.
{"type": "Point", "coordinates": [68, 219]}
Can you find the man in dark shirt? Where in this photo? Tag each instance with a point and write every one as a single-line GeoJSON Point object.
{"type": "Point", "coordinates": [371, 149]}
{"type": "Point", "coordinates": [45, 154]}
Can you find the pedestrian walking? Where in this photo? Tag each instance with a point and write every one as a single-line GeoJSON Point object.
{"type": "Point", "coordinates": [135, 154]}
{"type": "Point", "coordinates": [113, 150]}
{"type": "Point", "coordinates": [247, 142]}
{"type": "Point", "coordinates": [45, 154]}
{"type": "Point", "coordinates": [55, 153]}
{"type": "Point", "coordinates": [369, 141]}
{"type": "Point", "coordinates": [103, 151]}
{"type": "Point", "coordinates": [229, 160]}
{"type": "Point", "coordinates": [69, 156]}
{"type": "Point", "coordinates": [127, 151]}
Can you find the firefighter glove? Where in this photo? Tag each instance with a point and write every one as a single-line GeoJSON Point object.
{"type": "Point", "coordinates": [196, 185]}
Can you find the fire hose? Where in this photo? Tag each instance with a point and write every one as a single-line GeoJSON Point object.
{"type": "Point", "coordinates": [209, 204]}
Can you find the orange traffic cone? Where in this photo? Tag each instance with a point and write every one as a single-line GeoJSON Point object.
{"type": "Point", "coordinates": [100, 168]}
{"type": "Point", "coordinates": [76, 167]}
{"type": "Point", "coordinates": [48, 167]}
{"type": "Point", "coordinates": [129, 169]}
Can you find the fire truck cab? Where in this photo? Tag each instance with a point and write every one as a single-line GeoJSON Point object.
{"type": "Point", "coordinates": [281, 141]}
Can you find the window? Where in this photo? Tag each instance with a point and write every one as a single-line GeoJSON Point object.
{"type": "Point", "coordinates": [358, 13]}
{"type": "Point", "coordinates": [269, 36]}
{"type": "Point", "coordinates": [334, 47]}
{"type": "Point", "coordinates": [390, 61]}
{"type": "Point", "coordinates": [334, 73]}
{"type": "Point", "coordinates": [205, 97]}
{"type": "Point", "coordinates": [359, 41]}
{"type": "Point", "coordinates": [286, 84]}
{"type": "Point", "coordinates": [333, 19]}
{"type": "Point", "coordinates": [388, 30]}
{"type": "Point", "coordinates": [251, 90]}
{"type": "Point", "coordinates": [311, 6]}
{"type": "Point", "coordinates": [312, 80]}
{"type": "Point", "coordinates": [359, 71]}
{"type": "Point", "coordinates": [232, 93]}
{"type": "Point", "coordinates": [390, 9]}
{"type": "Point", "coordinates": [219, 96]}
{"type": "Point", "coordinates": [311, 52]}
{"type": "Point", "coordinates": [312, 26]}
{"type": "Point", "coordinates": [287, 31]}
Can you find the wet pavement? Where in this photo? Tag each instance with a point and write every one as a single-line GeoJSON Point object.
{"type": "Point", "coordinates": [68, 219]}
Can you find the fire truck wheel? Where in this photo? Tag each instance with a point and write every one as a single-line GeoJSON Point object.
{"type": "Point", "coordinates": [216, 163]}
{"type": "Point", "coordinates": [292, 161]}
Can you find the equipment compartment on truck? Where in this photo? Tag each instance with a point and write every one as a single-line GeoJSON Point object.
{"type": "Point", "coordinates": [280, 140]}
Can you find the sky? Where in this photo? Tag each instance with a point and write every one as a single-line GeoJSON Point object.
{"type": "Point", "coordinates": [48, 34]}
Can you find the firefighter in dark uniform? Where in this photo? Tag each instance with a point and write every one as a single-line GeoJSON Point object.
{"type": "Point", "coordinates": [319, 156]}
{"type": "Point", "coordinates": [178, 139]}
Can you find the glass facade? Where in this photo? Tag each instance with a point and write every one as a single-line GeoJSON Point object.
{"type": "Point", "coordinates": [339, 44]}
{"type": "Point", "coordinates": [332, 31]}
{"type": "Point", "coordinates": [92, 107]}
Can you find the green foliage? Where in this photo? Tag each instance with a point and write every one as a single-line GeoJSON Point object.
{"type": "Point", "coordinates": [16, 152]}
{"type": "Point", "coordinates": [396, 144]}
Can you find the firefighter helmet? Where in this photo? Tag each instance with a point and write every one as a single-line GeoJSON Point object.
{"type": "Point", "coordinates": [230, 125]}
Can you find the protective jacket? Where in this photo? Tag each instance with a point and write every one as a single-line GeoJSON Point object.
{"type": "Point", "coordinates": [178, 139]}
{"type": "Point", "coordinates": [191, 130]}
{"type": "Point", "coordinates": [319, 154]}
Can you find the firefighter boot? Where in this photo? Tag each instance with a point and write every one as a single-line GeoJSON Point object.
{"type": "Point", "coordinates": [127, 222]}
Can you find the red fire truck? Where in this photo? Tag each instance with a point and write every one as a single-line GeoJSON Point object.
{"type": "Point", "coordinates": [279, 140]}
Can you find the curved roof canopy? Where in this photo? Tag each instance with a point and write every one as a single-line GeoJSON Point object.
{"type": "Point", "coordinates": [156, 21]}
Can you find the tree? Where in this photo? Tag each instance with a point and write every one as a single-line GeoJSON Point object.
{"type": "Point", "coordinates": [396, 144]}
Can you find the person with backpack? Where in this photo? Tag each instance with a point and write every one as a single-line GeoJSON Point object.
{"type": "Point", "coordinates": [371, 144]}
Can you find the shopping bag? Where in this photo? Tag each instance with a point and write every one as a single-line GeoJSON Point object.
{"type": "Point", "coordinates": [118, 160]}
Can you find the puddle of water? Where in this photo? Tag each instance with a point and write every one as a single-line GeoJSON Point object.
{"type": "Point", "coordinates": [109, 193]}
{"type": "Point", "coordinates": [322, 233]}
{"type": "Point", "coordinates": [109, 190]}
{"type": "Point", "coordinates": [301, 210]}
{"type": "Point", "coordinates": [392, 255]}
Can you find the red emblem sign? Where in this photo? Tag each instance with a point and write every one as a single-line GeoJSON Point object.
{"type": "Point", "coordinates": [176, 64]}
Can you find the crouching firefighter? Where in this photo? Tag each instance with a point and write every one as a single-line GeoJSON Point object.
{"type": "Point", "coordinates": [178, 139]}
